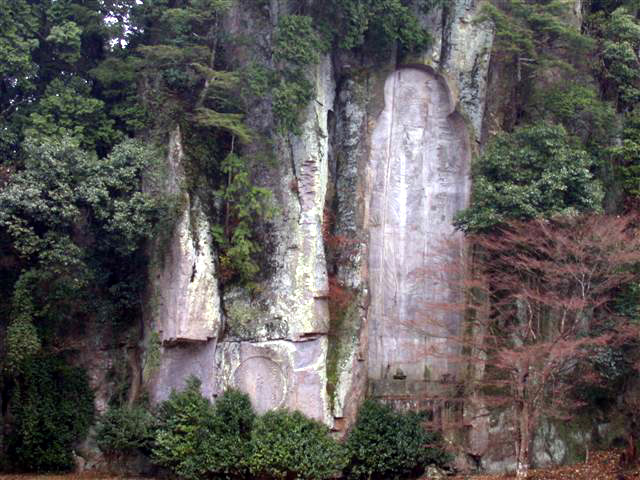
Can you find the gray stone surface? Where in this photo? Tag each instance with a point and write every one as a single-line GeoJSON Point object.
{"type": "Point", "coordinates": [185, 302]}
{"type": "Point", "coordinates": [420, 169]}
{"type": "Point", "coordinates": [277, 374]}
{"type": "Point", "coordinates": [462, 52]}
{"type": "Point", "coordinates": [179, 362]}
{"type": "Point", "coordinates": [465, 59]}
{"type": "Point", "coordinates": [295, 295]}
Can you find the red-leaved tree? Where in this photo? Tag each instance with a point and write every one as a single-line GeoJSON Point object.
{"type": "Point", "coordinates": [537, 308]}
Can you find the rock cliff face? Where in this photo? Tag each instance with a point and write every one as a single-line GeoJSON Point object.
{"type": "Point", "coordinates": [184, 302]}
{"type": "Point", "coordinates": [381, 163]}
{"type": "Point", "coordinates": [419, 164]}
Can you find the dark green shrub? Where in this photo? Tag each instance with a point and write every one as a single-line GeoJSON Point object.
{"type": "Point", "coordinates": [195, 439]}
{"type": "Point", "coordinates": [290, 97]}
{"type": "Point", "coordinates": [297, 41]}
{"type": "Point", "coordinates": [125, 430]}
{"type": "Point", "coordinates": [184, 423]}
{"type": "Point", "coordinates": [227, 448]}
{"type": "Point", "coordinates": [289, 445]}
{"type": "Point", "coordinates": [536, 171]}
{"type": "Point", "coordinates": [297, 47]}
{"type": "Point", "coordinates": [385, 443]}
{"type": "Point", "coordinates": [53, 408]}
{"type": "Point", "coordinates": [378, 25]}
{"type": "Point", "coordinates": [235, 412]}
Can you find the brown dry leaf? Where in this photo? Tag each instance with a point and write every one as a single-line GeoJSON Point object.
{"type": "Point", "coordinates": [601, 466]}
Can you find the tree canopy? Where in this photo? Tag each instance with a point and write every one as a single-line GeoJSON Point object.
{"type": "Point", "coordinates": [533, 172]}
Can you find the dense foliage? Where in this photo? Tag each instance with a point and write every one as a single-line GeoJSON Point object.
{"type": "Point", "coordinates": [77, 224]}
{"type": "Point", "coordinates": [53, 409]}
{"type": "Point", "coordinates": [196, 439]}
{"type": "Point", "coordinates": [566, 143]}
{"type": "Point", "coordinates": [378, 25]}
{"type": "Point", "coordinates": [389, 444]}
{"type": "Point", "coordinates": [184, 428]}
{"type": "Point", "coordinates": [534, 171]}
{"type": "Point", "coordinates": [289, 445]}
{"type": "Point", "coordinates": [125, 430]}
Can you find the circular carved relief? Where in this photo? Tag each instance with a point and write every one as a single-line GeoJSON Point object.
{"type": "Point", "coordinates": [263, 380]}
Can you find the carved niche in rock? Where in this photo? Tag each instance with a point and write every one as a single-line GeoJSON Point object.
{"type": "Point", "coordinates": [419, 173]}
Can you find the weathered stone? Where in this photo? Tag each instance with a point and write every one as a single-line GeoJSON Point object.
{"type": "Point", "coordinates": [465, 58]}
{"type": "Point", "coordinates": [434, 473]}
{"type": "Point", "coordinates": [185, 303]}
{"type": "Point", "coordinates": [295, 295]}
{"type": "Point", "coordinates": [277, 374]}
{"type": "Point", "coordinates": [420, 169]}
{"type": "Point", "coordinates": [501, 456]}
{"type": "Point", "coordinates": [348, 342]}
{"type": "Point", "coordinates": [548, 448]}
{"type": "Point", "coordinates": [179, 362]}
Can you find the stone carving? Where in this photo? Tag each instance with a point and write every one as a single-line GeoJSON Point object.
{"type": "Point", "coordinates": [277, 373]}
{"type": "Point", "coordinates": [262, 379]}
{"type": "Point", "coordinates": [420, 163]}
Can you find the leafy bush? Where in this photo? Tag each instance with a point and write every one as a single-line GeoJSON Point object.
{"type": "Point", "coordinates": [183, 427]}
{"type": "Point", "coordinates": [627, 156]}
{"type": "Point", "coordinates": [297, 41]}
{"type": "Point", "coordinates": [21, 338]}
{"type": "Point", "coordinates": [53, 408]}
{"type": "Point", "coordinates": [380, 24]}
{"type": "Point", "coordinates": [289, 445]}
{"type": "Point", "coordinates": [388, 444]}
{"type": "Point", "coordinates": [125, 429]}
{"type": "Point", "coordinates": [228, 448]}
{"type": "Point", "coordinates": [619, 53]}
{"type": "Point", "coordinates": [580, 110]}
{"type": "Point", "coordinates": [532, 172]}
{"type": "Point", "coordinates": [297, 46]}
{"type": "Point", "coordinates": [236, 236]}
{"type": "Point", "coordinates": [196, 439]}
{"type": "Point", "coordinates": [78, 223]}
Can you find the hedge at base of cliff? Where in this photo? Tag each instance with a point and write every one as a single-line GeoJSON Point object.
{"type": "Point", "coordinates": [195, 439]}
{"type": "Point", "coordinates": [385, 443]}
{"type": "Point", "coordinates": [289, 445]}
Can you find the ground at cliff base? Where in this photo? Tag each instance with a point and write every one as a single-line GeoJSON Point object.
{"type": "Point", "coordinates": [70, 476]}
{"type": "Point", "coordinates": [601, 466]}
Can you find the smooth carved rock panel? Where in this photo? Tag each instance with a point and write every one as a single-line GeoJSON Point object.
{"type": "Point", "coordinates": [419, 165]}
{"type": "Point", "coordinates": [276, 374]}
{"type": "Point", "coordinates": [263, 380]}
{"type": "Point", "coordinates": [178, 363]}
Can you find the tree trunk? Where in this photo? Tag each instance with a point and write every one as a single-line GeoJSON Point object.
{"type": "Point", "coordinates": [524, 440]}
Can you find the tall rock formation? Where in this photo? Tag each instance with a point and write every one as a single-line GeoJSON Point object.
{"type": "Point", "coordinates": [381, 162]}
{"type": "Point", "coordinates": [419, 164]}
